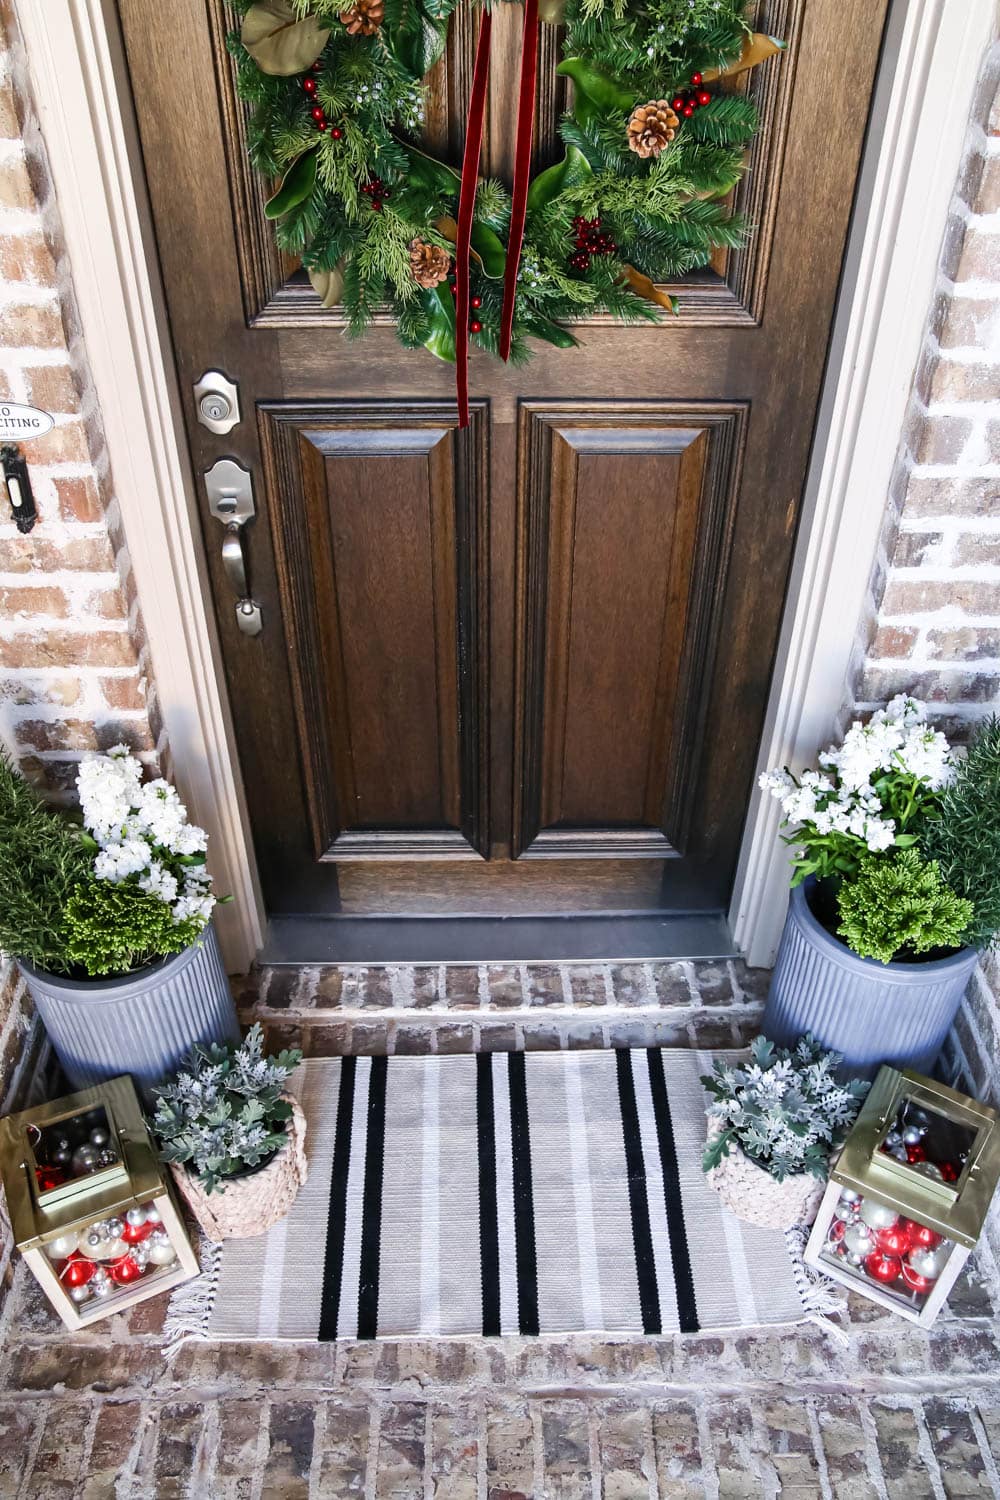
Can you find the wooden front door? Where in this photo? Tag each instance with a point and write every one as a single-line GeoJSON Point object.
{"type": "Point", "coordinates": [520, 667]}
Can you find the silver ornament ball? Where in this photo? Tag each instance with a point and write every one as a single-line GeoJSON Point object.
{"type": "Point", "coordinates": [859, 1239]}
{"type": "Point", "coordinates": [912, 1135]}
{"type": "Point", "coordinates": [135, 1216]}
{"type": "Point", "coordinates": [877, 1215]}
{"type": "Point", "coordinates": [115, 1227]}
{"type": "Point", "coordinates": [928, 1169]}
{"type": "Point", "coordinates": [99, 1136]}
{"type": "Point", "coordinates": [929, 1263]}
{"type": "Point", "coordinates": [84, 1159]}
{"type": "Point", "coordinates": [80, 1293]}
{"type": "Point", "coordinates": [153, 1214]}
{"type": "Point", "coordinates": [849, 1195]}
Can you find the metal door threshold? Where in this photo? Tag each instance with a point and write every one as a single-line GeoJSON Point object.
{"type": "Point", "coordinates": [463, 940]}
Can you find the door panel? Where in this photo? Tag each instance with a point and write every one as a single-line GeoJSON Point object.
{"type": "Point", "coordinates": [381, 557]}
{"type": "Point", "coordinates": [522, 668]}
{"type": "Point", "coordinates": [623, 517]}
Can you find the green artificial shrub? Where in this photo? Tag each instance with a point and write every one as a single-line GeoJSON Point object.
{"type": "Point", "coordinates": [42, 857]}
{"type": "Point", "coordinates": [113, 929]}
{"type": "Point", "coordinates": [901, 907]}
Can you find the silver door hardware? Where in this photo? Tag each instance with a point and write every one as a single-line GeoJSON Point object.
{"type": "Point", "coordinates": [218, 402]}
{"type": "Point", "coordinates": [230, 500]}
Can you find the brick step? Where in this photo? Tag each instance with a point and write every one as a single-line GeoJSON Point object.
{"type": "Point", "coordinates": [331, 1011]}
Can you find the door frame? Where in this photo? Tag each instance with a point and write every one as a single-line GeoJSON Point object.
{"type": "Point", "coordinates": [934, 49]}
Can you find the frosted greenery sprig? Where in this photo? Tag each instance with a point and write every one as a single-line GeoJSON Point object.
{"type": "Point", "coordinates": [224, 1112]}
{"type": "Point", "coordinates": [784, 1108]}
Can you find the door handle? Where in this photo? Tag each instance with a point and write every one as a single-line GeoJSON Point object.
{"type": "Point", "coordinates": [230, 500]}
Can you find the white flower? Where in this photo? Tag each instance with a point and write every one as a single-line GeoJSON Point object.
{"type": "Point", "coordinates": [117, 861]}
{"type": "Point", "coordinates": [925, 753]}
{"type": "Point", "coordinates": [108, 787]}
{"type": "Point", "coordinates": [778, 783]}
{"type": "Point", "coordinates": [906, 711]}
{"type": "Point", "coordinates": [158, 881]}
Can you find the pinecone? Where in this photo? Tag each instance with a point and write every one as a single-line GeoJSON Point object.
{"type": "Point", "coordinates": [651, 127]}
{"type": "Point", "coordinates": [429, 263]}
{"type": "Point", "coordinates": [364, 17]}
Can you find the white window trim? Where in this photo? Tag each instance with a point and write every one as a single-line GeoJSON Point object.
{"type": "Point", "coordinates": [75, 57]}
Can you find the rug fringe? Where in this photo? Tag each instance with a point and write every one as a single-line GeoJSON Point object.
{"type": "Point", "coordinates": [190, 1308]}
{"type": "Point", "coordinates": [817, 1294]}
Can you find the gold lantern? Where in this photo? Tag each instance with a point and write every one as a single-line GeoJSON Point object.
{"type": "Point", "coordinates": [92, 1212]}
{"type": "Point", "coordinates": [909, 1194]}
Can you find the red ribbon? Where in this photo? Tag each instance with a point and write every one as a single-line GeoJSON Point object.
{"type": "Point", "coordinates": [522, 170]}
{"type": "Point", "coordinates": [466, 206]}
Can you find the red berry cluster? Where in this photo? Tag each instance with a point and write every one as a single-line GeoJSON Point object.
{"type": "Point", "coordinates": [376, 192]}
{"type": "Point", "coordinates": [590, 240]}
{"type": "Point", "coordinates": [475, 326]}
{"type": "Point", "coordinates": [317, 111]}
{"type": "Point", "coordinates": [696, 97]}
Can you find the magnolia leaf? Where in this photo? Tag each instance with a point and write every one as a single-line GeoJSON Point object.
{"type": "Point", "coordinates": [757, 47]}
{"type": "Point", "coordinates": [549, 184]}
{"type": "Point", "coordinates": [487, 247]}
{"type": "Point", "coordinates": [296, 185]}
{"type": "Point", "coordinates": [552, 333]}
{"type": "Point", "coordinates": [278, 41]}
{"type": "Point", "coordinates": [598, 88]}
{"type": "Point", "coordinates": [643, 287]}
{"type": "Point", "coordinates": [328, 285]}
{"type": "Point", "coordinates": [552, 12]}
{"type": "Point", "coordinates": [440, 306]}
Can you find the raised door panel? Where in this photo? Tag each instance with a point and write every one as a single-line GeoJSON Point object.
{"type": "Point", "coordinates": [377, 524]}
{"type": "Point", "coordinates": [625, 514]}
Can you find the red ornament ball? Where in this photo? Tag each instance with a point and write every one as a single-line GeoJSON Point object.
{"type": "Point", "coordinates": [696, 79]}
{"type": "Point", "coordinates": [309, 85]}
{"type": "Point", "coordinates": [134, 1234]}
{"type": "Point", "coordinates": [916, 1153]}
{"type": "Point", "coordinates": [125, 1270]}
{"type": "Point", "coordinates": [678, 102]}
{"type": "Point", "coordinates": [476, 302]}
{"type": "Point", "coordinates": [922, 1237]}
{"type": "Point", "coordinates": [78, 1270]}
{"type": "Point", "coordinates": [475, 326]}
{"type": "Point", "coordinates": [48, 1178]}
{"type": "Point", "coordinates": [894, 1241]}
{"type": "Point", "coordinates": [949, 1171]}
{"type": "Point", "coordinates": [915, 1281]}
{"type": "Point", "coordinates": [837, 1229]}
{"type": "Point", "coordinates": [687, 111]}
{"type": "Point", "coordinates": [317, 67]}
{"type": "Point", "coordinates": [884, 1268]}
{"type": "Point", "coordinates": [317, 112]}
{"type": "Point", "coordinates": [320, 124]}
{"type": "Point", "coordinates": [336, 132]}
{"type": "Point", "coordinates": [704, 97]}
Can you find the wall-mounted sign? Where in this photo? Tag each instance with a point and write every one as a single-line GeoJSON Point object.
{"type": "Point", "coordinates": [18, 423]}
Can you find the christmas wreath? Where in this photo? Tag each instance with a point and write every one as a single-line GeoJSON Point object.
{"type": "Point", "coordinates": [654, 144]}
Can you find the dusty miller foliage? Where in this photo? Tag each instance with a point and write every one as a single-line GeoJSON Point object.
{"type": "Point", "coordinates": [224, 1111]}
{"type": "Point", "coordinates": [784, 1108]}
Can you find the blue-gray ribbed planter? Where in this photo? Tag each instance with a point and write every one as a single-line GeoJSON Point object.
{"type": "Point", "coordinates": [873, 1013]}
{"type": "Point", "coordinates": [143, 1023]}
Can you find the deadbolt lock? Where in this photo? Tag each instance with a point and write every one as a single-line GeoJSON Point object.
{"type": "Point", "coordinates": [218, 402]}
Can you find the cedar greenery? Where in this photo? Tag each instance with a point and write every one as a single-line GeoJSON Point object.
{"type": "Point", "coordinates": [900, 907]}
{"type": "Point", "coordinates": [664, 215]}
{"type": "Point", "coordinates": [115, 928]}
{"type": "Point", "coordinates": [965, 837]}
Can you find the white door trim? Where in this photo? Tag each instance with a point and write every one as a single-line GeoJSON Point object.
{"type": "Point", "coordinates": [934, 53]}
{"type": "Point", "coordinates": [77, 70]}
{"type": "Point", "coordinates": [909, 174]}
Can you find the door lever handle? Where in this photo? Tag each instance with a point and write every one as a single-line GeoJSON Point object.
{"type": "Point", "coordinates": [230, 499]}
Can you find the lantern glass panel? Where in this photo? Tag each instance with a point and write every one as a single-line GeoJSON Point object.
{"type": "Point", "coordinates": [872, 1244]}
{"type": "Point", "coordinates": [69, 1152]}
{"type": "Point", "coordinates": [931, 1143]}
{"type": "Point", "coordinates": [111, 1255]}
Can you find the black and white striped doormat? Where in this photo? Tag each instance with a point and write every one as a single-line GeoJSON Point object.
{"type": "Point", "coordinates": [504, 1193]}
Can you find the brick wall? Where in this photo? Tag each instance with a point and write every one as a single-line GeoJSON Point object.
{"type": "Point", "coordinates": [934, 623]}
{"type": "Point", "coordinates": [74, 673]}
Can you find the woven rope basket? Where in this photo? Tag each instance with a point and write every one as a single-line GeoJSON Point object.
{"type": "Point", "coordinates": [758, 1198]}
{"type": "Point", "coordinates": [250, 1205]}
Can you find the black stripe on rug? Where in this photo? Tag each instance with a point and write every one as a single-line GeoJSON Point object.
{"type": "Point", "coordinates": [680, 1255]}
{"type": "Point", "coordinates": [371, 1202]}
{"type": "Point", "coordinates": [489, 1232]}
{"type": "Point", "coordinates": [642, 1235]}
{"type": "Point", "coordinates": [333, 1260]}
{"type": "Point", "coordinates": [524, 1209]}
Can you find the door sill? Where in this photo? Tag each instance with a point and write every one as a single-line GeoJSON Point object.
{"type": "Point", "coordinates": [465, 940]}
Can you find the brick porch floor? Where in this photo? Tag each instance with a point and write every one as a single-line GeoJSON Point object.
{"type": "Point", "coordinates": [875, 1408]}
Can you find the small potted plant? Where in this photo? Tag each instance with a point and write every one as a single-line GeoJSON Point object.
{"type": "Point", "coordinates": [107, 911]}
{"type": "Point", "coordinates": [772, 1126]}
{"type": "Point", "coordinates": [894, 888]}
{"type": "Point", "coordinates": [235, 1140]}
